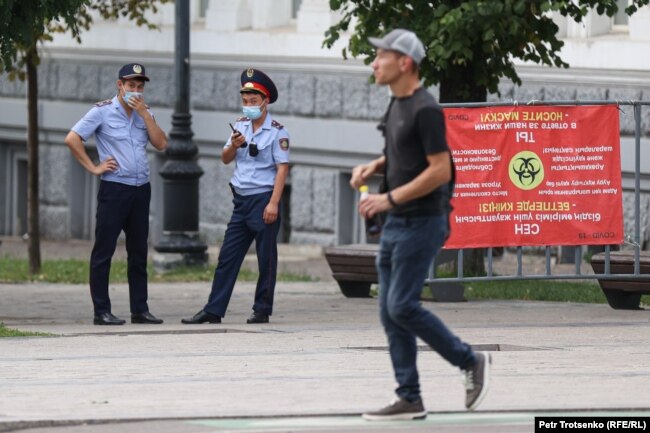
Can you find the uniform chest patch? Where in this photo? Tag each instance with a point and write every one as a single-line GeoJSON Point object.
{"type": "Point", "coordinates": [284, 143]}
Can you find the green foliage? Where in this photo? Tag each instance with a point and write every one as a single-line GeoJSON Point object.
{"type": "Point", "coordinates": [26, 23]}
{"type": "Point", "coordinates": [470, 44]}
{"type": "Point", "coordinates": [23, 24]}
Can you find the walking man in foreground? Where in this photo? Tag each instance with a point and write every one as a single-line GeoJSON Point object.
{"type": "Point", "coordinates": [418, 184]}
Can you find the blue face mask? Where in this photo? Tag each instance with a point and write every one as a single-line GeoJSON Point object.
{"type": "Point", "coordinates": [129, 95]}
{"type": "Point", "coordinates": [254, 112]}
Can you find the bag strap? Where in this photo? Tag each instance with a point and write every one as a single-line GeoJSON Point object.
{"type": "Point", "coordinates": [382, 127]}
{"type": "Point", "coordinates": [382, 124]}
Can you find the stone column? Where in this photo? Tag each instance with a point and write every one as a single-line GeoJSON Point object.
{"type": "Point", "coordinates": [267, 14]}
{"type": "Point", "coordinates": [315, 16]}
{"type": "Point", "coordinates": [228, 15]}
{"type": "Point", "coordinates": [591, 25]}
{"type": "Point", "coordinates": [639, 25]}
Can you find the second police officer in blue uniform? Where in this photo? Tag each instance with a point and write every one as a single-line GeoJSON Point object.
{"type": "Point", "coordinates": [260, 148]}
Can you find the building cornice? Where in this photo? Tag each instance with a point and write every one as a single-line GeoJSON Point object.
{"type": "Point", "coordinates": [216, 61]}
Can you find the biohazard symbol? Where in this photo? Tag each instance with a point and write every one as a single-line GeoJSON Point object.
{"type": "Point", "coordinates": [526, 170]}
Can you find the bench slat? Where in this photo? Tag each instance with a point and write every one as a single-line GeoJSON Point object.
{"type": "Point", "coordinates": [343, 276]}
{"type": "Point", "coordinates": [626, 286]}
{"type": "Point", "coordinates": [365, 254]}
{"type": "Point", "coordinates": [363, 261]}
{"type": "Point", "coordinates": [355, 269]}
{"type": "Point", "coordinates": [620, 268]}
{"type": "Point", "coordinates": [622, 257]}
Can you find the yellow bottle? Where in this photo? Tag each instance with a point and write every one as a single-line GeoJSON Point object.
{"type": "Point", "coordinates": [373, 226]}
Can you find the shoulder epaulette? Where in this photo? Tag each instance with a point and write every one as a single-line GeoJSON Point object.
{"type": "Point", "coordinates": [276, 124]}
{"type": "Point", "coordinates": [243, 119]}
{"type": "Point", "coordinates": [104, 102]}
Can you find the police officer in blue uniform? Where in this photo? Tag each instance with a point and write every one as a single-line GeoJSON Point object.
{"type": "Point", "coordinates": [122, 127]}
{"type": "Point", "coordinates": [260, 148]}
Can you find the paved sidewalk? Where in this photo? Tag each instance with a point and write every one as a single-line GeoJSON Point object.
{"type": "Point", "coordinates": [322, 354]}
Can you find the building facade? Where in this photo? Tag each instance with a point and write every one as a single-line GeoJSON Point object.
{"type": "Point", "coordinates": [328, 105]}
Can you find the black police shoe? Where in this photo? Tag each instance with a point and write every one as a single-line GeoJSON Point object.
{"type": "Point", "coordinates": [107, 319]}
{"type": "Point", "coordinates": [257, 317]}
{"type": "Point", "coordinates": [202, 317]}
{"type": "Point", "coordinates": [146, 318]}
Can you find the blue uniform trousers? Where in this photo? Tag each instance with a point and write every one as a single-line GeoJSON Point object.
{"type": "Point", "coordinates": [121, 207]}
{"type": "Point", "coordinates": [246, 225]}
{"type": "Point", "coordinates": [408, 246]}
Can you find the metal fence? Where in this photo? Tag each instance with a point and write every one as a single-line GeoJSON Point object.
{"type": "Point", "coordinates": [578, 274]}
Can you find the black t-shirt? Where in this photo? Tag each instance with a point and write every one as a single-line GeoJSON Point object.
{"type": "Point", "coordinates": [415, 128]}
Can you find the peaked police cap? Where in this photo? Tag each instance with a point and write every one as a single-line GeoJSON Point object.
{"type": "Point", "coordinates": [254, 80]}
{"type": "Point", "coordinates": [132, 70]}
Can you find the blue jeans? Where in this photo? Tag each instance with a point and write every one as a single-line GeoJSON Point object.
{"type": "Point", "coordinates": [408, 246]}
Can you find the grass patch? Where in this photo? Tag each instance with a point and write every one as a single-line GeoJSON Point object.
{"type": "Point", "coordinates": [54, 271]}
{"type": "Point", "coordinates": [587, 291]}
{"type": "Point", "coordinates": [10, 332]}
{"type": "Point", "coordinates": [75, 271]}
{"type": "Point", "coordinates": [535, 290]}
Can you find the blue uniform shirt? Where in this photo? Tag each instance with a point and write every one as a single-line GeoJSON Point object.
{"type": "Point", "coordinates": [120, 136]}
{"type": "Point", "coordinates": [256, 174]}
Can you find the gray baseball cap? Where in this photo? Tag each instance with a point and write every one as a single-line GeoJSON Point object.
{"type": "Point", "coordinates": [402, 41]}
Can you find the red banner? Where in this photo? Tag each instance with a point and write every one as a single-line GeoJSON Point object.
{"type": "Point", "coordinates": [547, 175]}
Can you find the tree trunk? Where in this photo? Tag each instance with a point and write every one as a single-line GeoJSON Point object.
{"type": "Point", "coordinates": [33, 229]}
{"type": "Point", "coordinates": [461, 89]}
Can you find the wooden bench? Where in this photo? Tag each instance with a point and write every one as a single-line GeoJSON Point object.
{"type": "Point", "coordinates": [623, 294]}
{"type": "Point", "coordinates": [353, 267]}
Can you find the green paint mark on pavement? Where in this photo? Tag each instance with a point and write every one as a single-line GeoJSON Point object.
{"type": "Point", "coordinates": [433, 419]}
